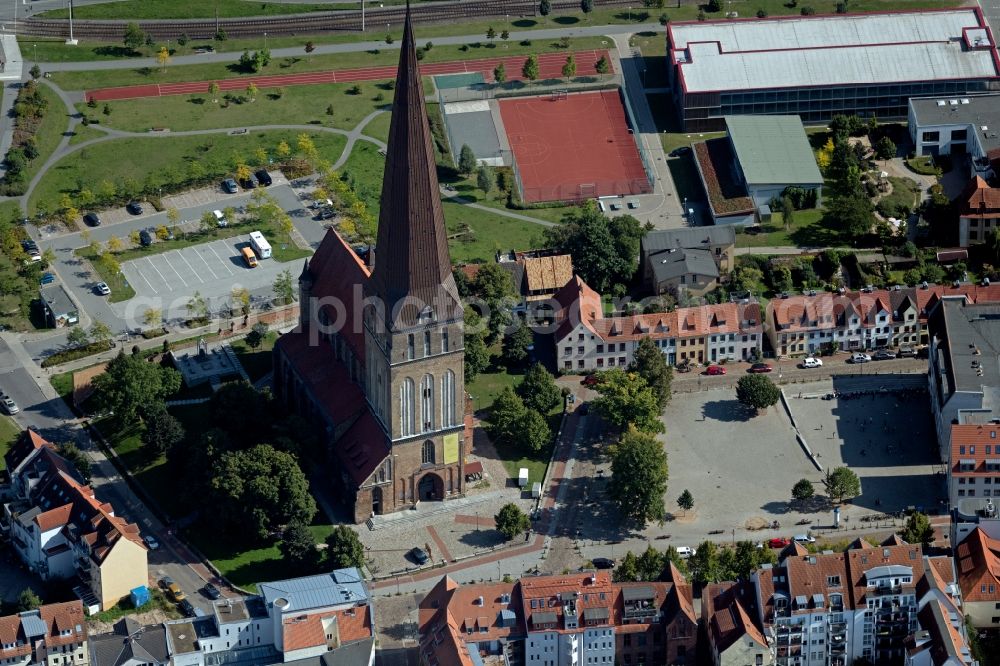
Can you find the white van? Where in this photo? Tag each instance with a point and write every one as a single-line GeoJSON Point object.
{"type": "Point", "coordinates": [220, 219]}
{"type": "Point", "coordinates": [685, 551]}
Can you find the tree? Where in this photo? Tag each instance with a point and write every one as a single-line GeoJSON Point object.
{"type": "Point", "coordinates": [310, 47]}
{"type": "Point", "coordinates": [885, 149]}
{"type": "Point", "coordinates": [587, 6]}
{"type": "Point", "coordinates": [544, 7]}
{"type": "Point", "coordinates": [466, 160]}
{"type": "Point", "coordinates": [252, 92]}
{"type": "Point", "coordinates": [605, 252]}
{"type": "Point", "coordinates": [505, 35]}
{"type": "Point", "coordinates": [627, 570]}
{"type": "Point", "coordinates": [283, 287]}
{"type": "Point", "coordinates": [163, 432]}
{"type": "Point", "coordinates": [283, 149]}
{"type": "Point", "coordinates": [602, 66]}
{"type": "Point", "coordinates": [131, 384]}
{"type": "Point", "coordinates": [511, 521]}
{"type": "Point", "coordinates": [539, 390]}
{"type": "Point", "coordinates": [484, 178]}
{"type": "Point", "coordinates": [803, 490]}
{"type": "Point", "coordinates": [28, 600]}
{"type": "Point", "coordinates": [134, 36]}
{"type": "Point", "coordinates": [100, 332]}
{"type": "Point", "coordinates": [477, 354]}
{"type": "Point", "coordinates": [651, 364]}
{"type": "Point", "coordinates": [491, 34]}
{"type": "Point", "coordinates": [72, 453]}
{"type": "Point", "coordinates": [918, 529]}
{"type": "Point", "coordinates": [530, 68]}
{"type": "Point", "coordinates": [685, 501]}
{"type": "Point", "coordinates": [197, 307]}
{"type": "Point", "coordinates": [638, 477]}
{"type": "Point", "coordinates": [260, 488]}
{"type": "Point", "coordinates": [532, 432]}
{"type": "Point", "coordinates": [35, 71]}
{"type": "Point", "coordinates": [494, 285]}
{"type": "Point", "coordinates": [241, 300]}
{"type": "Point", "coordinates": [841, 483]}
{"type": "Point", "coordinates": [505, 417]}
{"type": "Point", "coordinates": [256, 335]}
{"type": "Point", "coordinates": [625, 399]}
{"type": "Point", "coordinates": [500, 74]}
{"type": "Point", "coordinates": [298, 547]}
{"type": "Point", "coordinates": [77, 337]}
{"type": "Point", "coordinates": [787, 212]}
{"type": "Point", "coordinates": [704, 564]}
{"type": "Point", "coordinates": [515, 345]}
{"type": "Point", "coordinates": [569, 67]}
{"type": "Point", "coordinates": [757, 392]}
{"type": "Point", "coordinates": [344, 549]}
{"type": "Point", "coordinates": [650, 564]}
{"type": "Point", "coordinates": [243, 173]}
{"type": "Point", "coordinates": [162, 58]}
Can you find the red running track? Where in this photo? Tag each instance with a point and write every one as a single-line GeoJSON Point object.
{"type": "Point", "coordinates": [549, 67]}
{"type": "Point", "coordinates": [575, 147]}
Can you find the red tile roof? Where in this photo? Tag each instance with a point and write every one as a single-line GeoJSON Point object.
{"type": "Point", "coordinates": [62, 617]}
{"type": "Point", "coordinates": [970, 442]}
{"type": "Point", "coordinates": [362, 448]}
{"type": "Point", "coordinates": [979, 199]}
{"type": "Point", "coordinates": [340, 276]}
{"type": "Point", "coordinates": [977, 559]}
{"type": "Point", "coordinates": [326, 378]}
{"type": "Point", "coordinates": [727, 615]}
{"type": "Point", "coordinates": [53, 518]}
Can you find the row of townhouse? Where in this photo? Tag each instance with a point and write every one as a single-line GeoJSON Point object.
{"type": "Point", "coordinates": [886, 604]}
{"type": "Point", "coordinates": [322, 620]}
{"type": "Point", "coordinates": [50, 635]}
{"type": "Point", "coordinates": [61, 530]}
{"type": "Point", "coordinates": [587, 340]}
{"type": "Point", "coordinates": [582, 618]}
{"type": "Point", "coordinates": [808, 324]}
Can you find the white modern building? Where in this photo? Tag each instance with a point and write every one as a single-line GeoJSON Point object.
{"type": "Point", "coordinates": [958, 125]}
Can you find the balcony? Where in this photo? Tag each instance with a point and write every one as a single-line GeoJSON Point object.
{"type": "Point", "coordinates": [838, 639]}
{"type": "Point", "coordinates": [789, 651]}
{"type": "Point", "coordinates": [838, 627]}
{"type": "Point", "coordinates": [885, 590]}
{"type": "Point", "coordinates": [788, 629]}
{"type": "Point", "coordinates": [795, 639]}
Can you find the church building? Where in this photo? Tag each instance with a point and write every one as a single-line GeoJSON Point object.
{"type": "Point", "coordinates": [376, 362]}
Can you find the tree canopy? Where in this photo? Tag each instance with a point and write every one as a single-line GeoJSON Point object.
{"type": "Point", "coordinates": [344, 549]}
{"type": "Point", "coordinates": [842, 482]}
{"type": "Point", "coordinates": [605, 251]}
{"type": "Point", "coordinates": [651, 364]}
{"type": "Point", "coordinates": [511, 521]}
{"type": "Point", "coordinates": [625, 399]}
{"type": "Point", "coordinates": [163, 431]}
{"type": "Point", "coordinates": [539, 391]}
{"type": "Point", "coordinates": [298, 548]}
{"type": "Point", "coordinates": [477, 354]}
{"type": "Point", "coordinates": [757, 391]}
{"type": "Point", "coordinates": [638, 477]}
{"type": "Point", "coordinates": [130, 385]}
{"type": "Point", "coordinates": [260, 488]}
{"type": "Point", "coordinates": [918, 529]}
{"type": "Point", "coordinates": [803, 490]}
{"type": "Point", "coordinates": [515, 345]}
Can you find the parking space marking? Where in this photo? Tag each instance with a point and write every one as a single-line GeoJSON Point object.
{"type": "Point", "coordinates": [144, 279]}
{"type": "Point", "coordinates": [221, 260]}
{"type": "Point", "coordinates": [193, 271]}
{"type": "Point", "coordinates": [165, 282]}
{"type": "Point", "coordinates": [198, 254]}
{"type": "Point", "coordinates": [167, 259]}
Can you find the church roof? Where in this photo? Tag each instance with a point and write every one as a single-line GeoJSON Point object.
{"type": "Point", "coordinates": [412, 265]}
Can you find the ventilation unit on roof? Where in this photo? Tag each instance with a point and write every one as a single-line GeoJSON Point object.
{"type": "Point", "coordinates": [984, 127]}
{"type": "Point", "coordinates": [941, 102]}
{"type": "Point", "coordinates": [953, 102]}
{"type": "Point", "coordinates": [965, 100]}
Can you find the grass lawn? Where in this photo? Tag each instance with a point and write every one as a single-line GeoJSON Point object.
{"type": "Point", "coordinates": [291, 65]}
{"type": "Point", "coordinates": [923, 165]}
{"type": "Point", "coordinates": [214, 155]}
{"type": "Point", "coordinates": [85, 133]}
{"type": "Point", "coordinates": [149, 472]}
{"type": "Point", "coordinates": [9, 431]}
{"type": "Point", "coordinates": [137, 10]}
{"type": "Point", "coordinates": [378, 127]}
{"type": "Point", "coordinates": [654, 57]}
{"type": "Point", "coordinates": [157, 600]}
{"type": "Point", "coordinates": [257, 362]}
{"type": "Point", "coordinates": [469, 190]}
{"type": "Point", "coordinates": [50, 131]}
{"type": "Point", "coordinates": [807, 229]}
{"type": "Point", "coordinates": [297, 105]}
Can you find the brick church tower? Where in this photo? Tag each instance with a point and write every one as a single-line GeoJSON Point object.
{"type": "Point", "coordinates": [413, 321]}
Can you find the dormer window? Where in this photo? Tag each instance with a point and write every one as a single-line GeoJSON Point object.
{"type": "Point", "coordinates": [426, 316]}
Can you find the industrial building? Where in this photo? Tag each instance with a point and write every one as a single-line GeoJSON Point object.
{"type": "Point", "coordinates": [819, 66]}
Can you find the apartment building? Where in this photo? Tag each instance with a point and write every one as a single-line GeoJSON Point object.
{"type": "Point", "coordinates": [687, 261]}
{"type": "Point", "coordinates": [61, 530]}
{"type": "Point", "coordinates": [581, 618]}
{"type": "Point", "coordinates": [978, 212]}
{"type": "Point", "coordinates": [51, 635]}
{"type": "Point", "coordinates": [832, 608]}
{"type": "Point", "coordinates": [974, 465]}
{"type": "Point", "coordinates": [587, 340]}
{"type": "Point", "coordinates": [977, 559]}
{"type": "Point", "coordinates": [734, 637]}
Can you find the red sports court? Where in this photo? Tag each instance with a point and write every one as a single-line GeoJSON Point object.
{"type": "Point", "coordinates": [573, 147]}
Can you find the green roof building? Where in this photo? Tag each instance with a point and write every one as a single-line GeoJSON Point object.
{"type": "Point", "coordinates": [772, 153]}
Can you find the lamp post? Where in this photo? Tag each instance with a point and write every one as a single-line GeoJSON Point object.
{"type": "Point", "coordinates": [362, 15]}
{"type": "Point", "coordinates": [71, 41]}
{"type": "Point", "coordinates": [265, 40]}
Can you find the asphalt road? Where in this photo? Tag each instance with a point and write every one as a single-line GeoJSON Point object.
{"type": "Point", "coordinates": [80, 280]}
{"type": "Point", "coordinates": [24, 8]}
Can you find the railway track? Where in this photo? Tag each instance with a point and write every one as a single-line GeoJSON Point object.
{"type": "Point", "coordinates": [308, 24]}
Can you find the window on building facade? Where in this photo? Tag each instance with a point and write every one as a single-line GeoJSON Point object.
{"type": "Point", "coordinates": [427, 402]}
{"type": "Point", "coordinates": [409, 347]}
{"type": "Point", "coordinates": [427, 343]}
{"type": "Point", "coordinates": [427, 454]}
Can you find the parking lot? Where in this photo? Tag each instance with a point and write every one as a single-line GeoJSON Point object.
{"type": "Point", "coordinates": [212, 269]}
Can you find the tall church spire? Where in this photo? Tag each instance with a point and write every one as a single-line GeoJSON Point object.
{"type": "Point", "coordinates": [412, 265]}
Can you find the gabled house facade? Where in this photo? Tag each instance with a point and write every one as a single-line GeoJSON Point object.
{"type": "Point", "coordinates": [51, 635]}
{"type": "Point", "coordinates": [978, 213]}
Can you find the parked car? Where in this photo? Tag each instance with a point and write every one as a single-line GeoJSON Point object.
{"type": "Point", "coordinates": [760, 367]}
{"type": "Point", "coordinates": [778, 542]}
{"type": "Point", "coordinates": [263, 177]}
{"type": "Point", "coordinates": [47, 278]}
{"type": "Point", "coordinates": [683, 150]}
{"type": "Point", "coordinates": [211, 591]}
{"type": "Point", "coordinates": [186, 607]}
{"type": "Point", "coordinates": [633, 204]}
{"type": "Point", "coordinates": [811, 362]}
{"type": "Point", "coordinates": [10, 406]}
{"type": "Point", "coordinates": [591, 380]}
{"type": "Point", "coordinates": [249, 183]}
{"type": "Point", "coordinates": [418, 555]}
{"type": "Point", "coordinates": [29, 245]}
{"type": "Point", "coordinates": [166, 582]}
{"type": "Point", "coordinates": [715, 370]}
{"type": "Point", "coordinates": [884, 355]}
{"type": "Point", "coordinates": [151, 542]}
{"type": "Point", "coordinates": [804, 538]}
{"type": "Point", "coordinates": [907, 351]}
{"type": "Point", "coordinates": [102, 288]}
{"type": "Point", "coordinates": [325, 214]}
{"type": "Point", "coordinates": [685, 551]}
{"type": "Point", "coordinates": [134, 207]}
{"type": "Point", "coordinates": [603, 563]}
{"type": "Point", "coordinates": [91, 220]}
{"type": "Point", "coordinates": [175, 592]}
{"type": "Point", "coordinates": [145, 238]}
{"type": "Point", "coordinates": [220, 218]}
{"type": "Point", "coordinates": [229, 186]}
{"type": "Point", "coordinates": [858, 357]}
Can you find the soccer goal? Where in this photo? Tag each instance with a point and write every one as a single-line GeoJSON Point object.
{"type": "Point", "coordinates": [558, 94]}
{"type": "Point", "coordinates": [588, 190]}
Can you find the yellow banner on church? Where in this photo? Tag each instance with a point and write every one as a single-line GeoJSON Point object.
{"type": "Point", "coordinates": [451, 448]}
